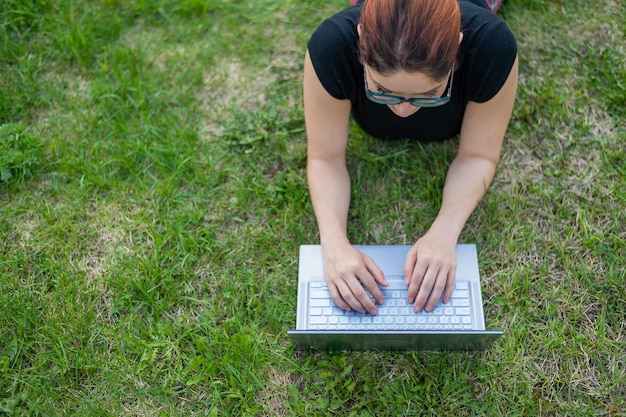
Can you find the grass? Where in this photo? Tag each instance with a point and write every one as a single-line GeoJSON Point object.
{"type": "Point", "coordinates": [156, 197]}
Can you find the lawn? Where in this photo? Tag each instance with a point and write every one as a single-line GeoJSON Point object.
{"type": "Point", "coordinates": [153, 196]}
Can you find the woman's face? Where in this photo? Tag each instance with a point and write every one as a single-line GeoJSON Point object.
{"type": "Point", "coordinates": [405, 85]}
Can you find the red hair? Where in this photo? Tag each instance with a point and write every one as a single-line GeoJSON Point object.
{"type": "Point", "coordinates": [410, 35]}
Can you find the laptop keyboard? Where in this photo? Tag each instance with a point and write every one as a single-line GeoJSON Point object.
{"type": "Point", "coordinates": [395, 314]}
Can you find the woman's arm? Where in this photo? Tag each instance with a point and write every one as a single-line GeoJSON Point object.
{"type": "Point", "coordinates": [327, 136]}
{"type": "Point", "coordinates": [327, 121]}
{"type": "Point", "coordinates": [431, 264]}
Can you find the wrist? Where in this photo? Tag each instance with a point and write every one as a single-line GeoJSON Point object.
{"type": "Point", "coordinates": [447, 228]}
{"type": "Point", "coordinates": [330, 242]}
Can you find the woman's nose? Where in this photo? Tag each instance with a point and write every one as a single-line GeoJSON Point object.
{"type": "Point", "coordinates": [404, 109]}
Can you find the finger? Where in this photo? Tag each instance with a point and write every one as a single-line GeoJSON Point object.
{"type": "Point", "coordinates": [347, 291]}
{"type": "Point", "coordinates": [449, 285]}
{"type": "Point", "coordinates": [417, 277]}
{"type": "Point", "coordinates": [362, 298]}
{"type": "Point", "coordinates": [337, 298]}
{"type": "Point", "coordinates": [425, 288]}
{"type": "Point", "coordinates": [372, 279]}
{"type": "Point", "coordinates": [368, 281]}
{"type": "Point", "coordinates": [409, 266]}
{"type": "Point", "coordinates": [435, 294]}
{"type": "Point", "coordinates": [376, 272]}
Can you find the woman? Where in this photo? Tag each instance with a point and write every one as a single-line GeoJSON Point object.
{"type": "Point", "coordinates": [421, 69]}
{"type": "Point", "coordinates": [494, 5]}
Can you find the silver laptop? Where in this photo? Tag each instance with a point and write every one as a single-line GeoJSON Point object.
{"type": "Point", "coordinates": [456, 325]}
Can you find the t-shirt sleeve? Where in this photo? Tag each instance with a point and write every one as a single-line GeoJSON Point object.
{"type": "Point", "coordinates": [333, 54]}
{"type": "Point", "coordinates": [490, 60]}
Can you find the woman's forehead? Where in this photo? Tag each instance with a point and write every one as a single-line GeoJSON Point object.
{"type": "Point", "coordinates": [404, 83]}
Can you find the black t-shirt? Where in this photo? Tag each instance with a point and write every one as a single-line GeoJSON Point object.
{"type": "Point", "coordinates": [486, 56]}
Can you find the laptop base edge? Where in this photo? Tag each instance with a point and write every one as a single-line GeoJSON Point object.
{"type": "Point", "coordinates": [400, 340]}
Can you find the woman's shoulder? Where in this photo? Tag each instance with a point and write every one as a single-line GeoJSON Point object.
{"type": "Point", "coordinates": [333, 51]}
{"type": "Point", "coordinates": [488, 51]}
{"type": "Point", "coordinates": [480, 26]}
{"type": "Point", "coordinates": [338, 31]}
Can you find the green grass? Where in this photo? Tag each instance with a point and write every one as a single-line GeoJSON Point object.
{"type": "Point", "coordinates": [153, 198]}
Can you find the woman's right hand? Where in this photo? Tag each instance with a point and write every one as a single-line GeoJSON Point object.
{"type": "Point", "coordinates": [349, 273]}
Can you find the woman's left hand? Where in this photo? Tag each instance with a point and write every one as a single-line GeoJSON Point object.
{"type": "Point", "coordinates": [430, 270]}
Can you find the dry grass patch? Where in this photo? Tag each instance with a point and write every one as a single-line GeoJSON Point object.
{"type": "Point", "coordinates": [276, 395]}
{"type": "Point", "coordinates": [228, 85]}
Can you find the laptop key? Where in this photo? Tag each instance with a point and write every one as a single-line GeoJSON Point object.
{"type": "Point", "coordinates": [319, 294]}
{"type": "Point", "coordinates": [339, 312]}
{"type": "Point", "coordinates": [318, 302]}
{"type": "Point", "coordinates": [461, 285]}
{"type": "Point", "coordinates": [460, 302]}
{"type": "Point", "coordinates": [460, 294]}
